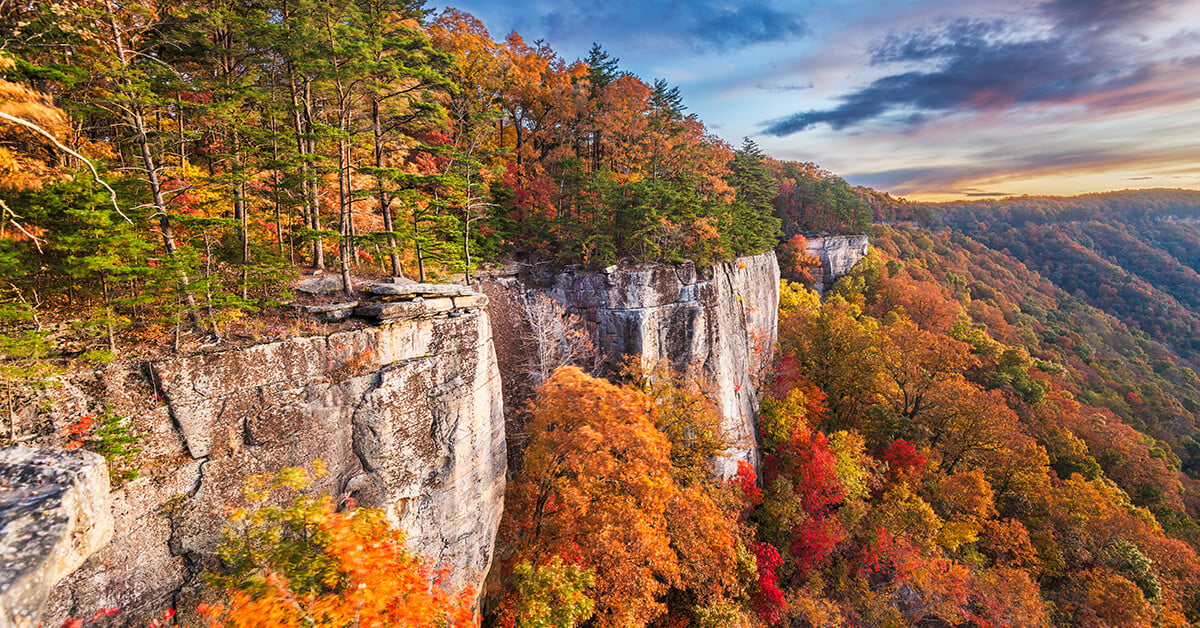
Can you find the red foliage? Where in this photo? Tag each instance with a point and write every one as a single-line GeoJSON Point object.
{"type": "Point", "coordinates": [885, 554]}
{"type": "Point", "coordinates": [814, 541]}
{"type": "Point", "coordinates": [816, 476]}
{"type": "Point", "coordinates": [747, 481]}
{"type": "Point", "coordinates": [903, 459]}
{"type": "Point", "coordinates": [768, 599]}
{"type": "Point", "coordinates": [80, 429]}
{"type": "Point", "coordinates": [810, 462]}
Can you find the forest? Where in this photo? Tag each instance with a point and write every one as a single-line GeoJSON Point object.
{"type": "Point", "coordinates": [946, 442]}
{"type": "Point", "coordinates": [991, 421]}
{"type": "Point", "coordinates": [172, 165]}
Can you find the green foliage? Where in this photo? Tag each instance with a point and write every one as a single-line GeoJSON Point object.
{"type": "Point", "coordinates": [286, 539]}
{"type": "Point", "coordinates": [1126, 559]}
{"type": "Point", "coordinates": [112, 436]}
{"type": "Point", "coordinates": [24, 354]}
{"type": "Point", "coordinates": [554, 594]}
{"type": "Point", "coordinates": [811, 200]}
{"type": "Point", "coordinates": [116, 440]}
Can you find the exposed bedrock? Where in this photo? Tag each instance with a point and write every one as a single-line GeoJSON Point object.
{"type": "Point", "coordinates": [716, 325]}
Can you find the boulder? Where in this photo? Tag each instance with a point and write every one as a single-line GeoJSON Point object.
{"type": "Point", "coordinates": [414, 290]}
{"type": "Point", "coordinates": [54, 514]}
{"type": "Point", "coordinates": [320, 284]}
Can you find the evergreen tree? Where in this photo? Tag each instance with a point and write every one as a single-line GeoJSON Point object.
{"type": "Point", "coordinates": [752, 225]}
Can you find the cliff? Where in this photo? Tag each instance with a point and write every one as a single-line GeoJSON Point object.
{"type": "Point", "coordinates": [717, 326]}
{"type": "Point", "coordinates": [838, 254]}
{"type": "Point", "coordinates": [406, 414]}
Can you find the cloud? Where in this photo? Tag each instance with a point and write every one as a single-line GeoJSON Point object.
{"type": "Point", "coordinates": [1103, 13]}
{"type": "Point", "coordinates": [1067, 52]}
{"type": "Point", "coordinates": [728, 27]}
{"type": "Point", "coordinates": [1001, 166]}
{"type": "Point", "coordinates": [638, 26]}
{"type": "Point", "coordinates": [791, 87]}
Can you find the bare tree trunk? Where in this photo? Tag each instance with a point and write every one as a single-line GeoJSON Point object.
{"type": "Point", "coordinates": [385, 202]}
{"type": "Point", "coordinates": [302, 126]}
{"type": "Point", "coordinates": [133, 115]}
{"type": "Point", "coordinates": [346, 216]}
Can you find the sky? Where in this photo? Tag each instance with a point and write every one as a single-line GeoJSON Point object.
{"type": "Point", "coordinates": [926, 99]}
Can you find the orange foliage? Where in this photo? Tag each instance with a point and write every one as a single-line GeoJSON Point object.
{"type": "Point", "coordinates": [383, 584]}
{"type": "Point", "coordinates": [595, 488]}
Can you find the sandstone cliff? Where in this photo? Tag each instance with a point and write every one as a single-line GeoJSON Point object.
{"type": "Point", "coordinates": [407, 415]}
{"type": "Point", "coordinates": [54, 513]}
{"type": "Point", "coordinates": [838, 254]}
{"type": "Point", "coordinates": [717, 325]}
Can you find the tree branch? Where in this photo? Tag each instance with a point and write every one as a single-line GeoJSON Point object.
{"type": "Point", "coordinates": [112, 194]}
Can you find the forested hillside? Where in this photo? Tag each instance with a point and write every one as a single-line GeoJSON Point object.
{"type": "Point", "coordinates": [951, 440]}
{"type": "Point", "coordinates": [992, 420]}
{"type": "Point", "coordinates": [948, 439]}
{"type": "Point", "coordinates": [1133, 254]}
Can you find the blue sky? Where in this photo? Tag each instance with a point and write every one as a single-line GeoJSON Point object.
{"type": "Point", "coordinates": [930, 99]}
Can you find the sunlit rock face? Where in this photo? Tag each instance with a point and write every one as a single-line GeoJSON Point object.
{"type": "Point", "coordinates": [838, 254]}
{"type": "Point", "coordinates": [715, 325]}
{"type": "Point", "coordinates": [54, 514]}
{"type": "Point", "coordinates": [407, 415]}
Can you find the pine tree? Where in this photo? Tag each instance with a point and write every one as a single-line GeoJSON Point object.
{"type": "Point", "coordinates": [752, 227]}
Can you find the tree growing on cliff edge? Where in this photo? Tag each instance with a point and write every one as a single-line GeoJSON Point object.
{"type": "Point", "coordinates": [557, 337]}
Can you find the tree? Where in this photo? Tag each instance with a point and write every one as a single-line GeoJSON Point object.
{"type": "Point", "coordinates": [557, 337]}
{"type": "Point", "coordinates": [754, 227]}
{"type": "Point", "coordinates": [553, 595]}
{"type": "Point", "coordinates": [306, 564]}
{"type": "Point", "coordinates": [596, 484]}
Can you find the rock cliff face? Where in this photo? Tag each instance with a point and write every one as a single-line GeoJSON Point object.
{"type": "Point", "coordinates": [838, 254]}
{"type": "Point", "coordinates": [717, 326]}
{"type": "Point", "coordinates": [407, 416]}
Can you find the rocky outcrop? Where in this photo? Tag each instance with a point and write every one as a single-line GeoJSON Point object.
{"type": "Point", "coordinates": [407, 415]}
{"type": "Point", "coordinates": [716, 325]}
{"type": "Point", "coordinates": [838, 254]}
{"type": "Point", "coordinates": [54, 513]}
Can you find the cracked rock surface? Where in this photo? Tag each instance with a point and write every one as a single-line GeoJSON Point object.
{"type": "Point", "coordinates": [406, 415]}
{"type": "Point", "coordinates": [717, 326]}
{"type": "Point", "coordinates": [838, 254]}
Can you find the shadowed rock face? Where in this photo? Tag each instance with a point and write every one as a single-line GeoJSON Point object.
{"type": "Point", "coordinates": [406, 415]}
{"type": "Point", "coordinates": [717, 326]}
{"type": "Point", "coordinates": [838, 254]}
{"type": "Point", "coordinates": [54, 513]}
